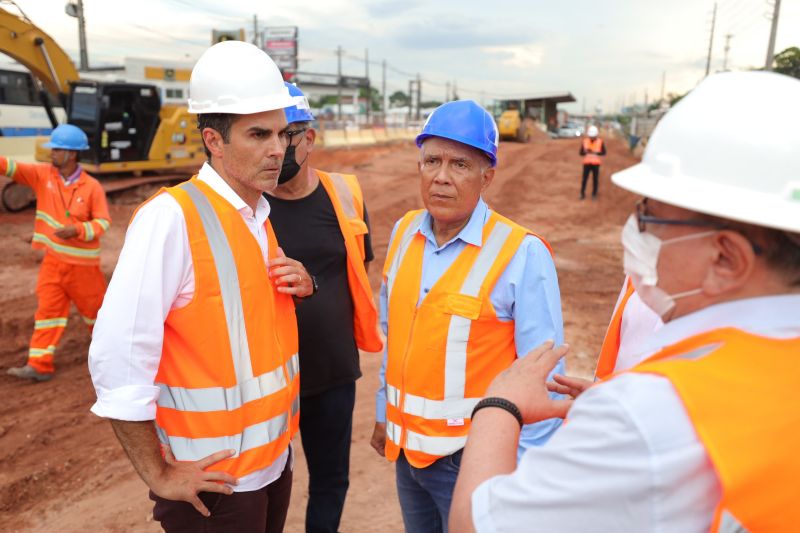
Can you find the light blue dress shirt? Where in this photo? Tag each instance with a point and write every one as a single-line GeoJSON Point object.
{"type": "Point", "coordinates": [527, 293]}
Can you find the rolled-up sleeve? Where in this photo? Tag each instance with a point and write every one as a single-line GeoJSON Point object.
{"type": "Point", "coordinates": [154, 266]}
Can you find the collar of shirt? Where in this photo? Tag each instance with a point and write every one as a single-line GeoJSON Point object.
{"type": "Point", "coordinates": [72, 178]}
{"type": "Point", "coordinates": [210, 177]}
{"type": "Point", "coordinates": [774, 316]}
{"type": "Point", "coordinates": [472, 233]}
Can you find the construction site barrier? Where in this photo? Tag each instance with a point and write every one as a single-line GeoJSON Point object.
{"type": "Point", "coordinates": [355, 136]}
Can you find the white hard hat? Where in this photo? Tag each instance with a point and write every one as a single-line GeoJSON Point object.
{"type": "Point", "coordinates": [236, 77]}
{"type": "Point", "coordinates": [730, 148]}
{"type": "Point", "coordinates": [592, 131]}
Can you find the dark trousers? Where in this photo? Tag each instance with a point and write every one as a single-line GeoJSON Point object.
{"type": "Point", "coordinates": [595, 171]}
{"type": "Point", "coordinates": [326, 426]}
{"type": "Point", "coordinates": [257, 511]}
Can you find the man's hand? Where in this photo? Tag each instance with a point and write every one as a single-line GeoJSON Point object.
{"type": "Point", "coordinates": [525, 384]}
{"type": "Point", "coordinates": [66, 232]}
{"type": "Point", "coordinates": [290, 276]}
{"type": "Point", "coordinates": [182, 481]}
{"type": "Point", "coordinates": [568, 385]}
{"type": "Point", "coordinates": [378, 440]}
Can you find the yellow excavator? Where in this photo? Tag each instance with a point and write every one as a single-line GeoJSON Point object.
{"type": "Point", "coordinates": [129, 130]}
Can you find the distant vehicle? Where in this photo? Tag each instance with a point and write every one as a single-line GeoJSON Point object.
{"type": "Point", "coordinates": [21, 111]}
{"type": "Point", "coordinates": [570, 130]}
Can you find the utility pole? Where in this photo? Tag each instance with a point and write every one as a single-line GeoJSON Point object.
{"type": "Point", "coordinates": [369, 85]}
{"type": "Point", "coordinates": [410, 99]}
{"type": "Point", "coordinates": [446, 92]}
{"type": "Point", "coordinates": [419, 95]}
{"type": "Point", "coordinates": [711, 39]}
{"type": "Point", "coordinates": [339, 52]}
{"type": "Point", "coordinates": [663, 83]}
{"type": "Point", "coordinates": [727, 49]}
{"type": "Point", "coordinates": [255, 30]}
{"type": "Point", "coordinates": [76, 10]}
{"type": "Point", "coordinates": [384, 97]}
{"type": "Point", "coordinates": [772, 32]}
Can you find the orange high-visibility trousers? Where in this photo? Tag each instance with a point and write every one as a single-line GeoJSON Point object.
{"type": "Point", "coordinates": [58, 284]}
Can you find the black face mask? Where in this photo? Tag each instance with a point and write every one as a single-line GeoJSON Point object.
{"type": "Point", "coordinates": [290, 167]}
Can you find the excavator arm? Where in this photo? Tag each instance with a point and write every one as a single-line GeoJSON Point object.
{"type": "Point", "coordinates": [33, 48]}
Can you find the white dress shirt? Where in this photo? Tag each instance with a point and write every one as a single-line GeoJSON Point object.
{"type": "Point", "coordinates": [628, 458]}
{"type": "Point", "coordinates": [639, 322]}
{"type": "Point", "coordinates": [154, 274]}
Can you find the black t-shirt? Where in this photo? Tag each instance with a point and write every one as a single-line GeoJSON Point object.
{"type": "Point", "coordinates": [308, 230]}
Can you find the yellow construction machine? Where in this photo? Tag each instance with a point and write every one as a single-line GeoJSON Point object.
{"type": "Point", "coordinates": [129, 130]}
{"type": "Point", "coordinates": [514, 122]}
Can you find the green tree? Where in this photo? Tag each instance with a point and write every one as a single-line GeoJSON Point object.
{"type": "Point", "coordinates": [374, 97]}
{"type": "Point", "coordinates": [399, 99]}
{"type": "Point", "coordinates": [788, 62]}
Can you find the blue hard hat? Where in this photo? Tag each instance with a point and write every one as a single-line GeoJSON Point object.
{"type": "Point", "coordinates": [464, 121]}
{"type": "Point", "coordinates": [68, 137]}
{"type": "Point", "coordinates": [300, 111]}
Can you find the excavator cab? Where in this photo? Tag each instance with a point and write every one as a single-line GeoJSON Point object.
{"type": "Point", "coordinates": [120, 119]}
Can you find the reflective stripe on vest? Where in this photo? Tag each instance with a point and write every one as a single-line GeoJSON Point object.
{"type": "Point", "coordinates": [455, 372]}
{"type": "Point", "coordinates": [345, 195]}
{"type": "Point", "coordinates": [248, 388]}
{"type": "Point", "coordinates": [729, 524]}
{"type": "Point", "coordinates": [204, 400]}
{"type": "Point", "coordinates": [431, 409]}
{"type": "Point", "coordinates": [440, 446]}
{"type": "Point", "coordinates": [405, 241]}
{"type": "Point", "coordinates": [228, 282]}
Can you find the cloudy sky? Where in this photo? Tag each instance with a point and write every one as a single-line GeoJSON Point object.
{"type": "Point", "coordinates": [607, 53]}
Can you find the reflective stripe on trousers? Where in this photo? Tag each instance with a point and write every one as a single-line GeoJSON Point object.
{"type": "Point", "coordinates": [439, 446]}
{"type": "Point", "coordinates": [248, 387]}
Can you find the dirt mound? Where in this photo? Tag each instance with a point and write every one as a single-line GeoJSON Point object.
{"type": "Point", "coordinates": [61, 467]}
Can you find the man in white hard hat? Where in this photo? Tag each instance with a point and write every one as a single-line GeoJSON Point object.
{"type": "Point", "coordinates": [197, 331]}
{"type": "Point", "coordinates": [592, 149]}
{"type": "Point", "coordinates": [702, 436]}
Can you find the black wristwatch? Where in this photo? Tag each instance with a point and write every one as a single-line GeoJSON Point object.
{"type": "Point", "coordinates": [314, 285]}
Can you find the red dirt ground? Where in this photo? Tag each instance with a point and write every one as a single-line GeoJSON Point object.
{"type": "Point", "coordinates": [61, 469]}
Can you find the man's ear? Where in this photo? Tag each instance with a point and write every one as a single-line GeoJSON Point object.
{"type": "Point", "coordinates": [732, 265]}
{"type": "Point", "coordinates": [488, 176]}
{"type": "Point", "coordinates": [310, 138]}
{"type": "Point", "coordinates": [213, 141]}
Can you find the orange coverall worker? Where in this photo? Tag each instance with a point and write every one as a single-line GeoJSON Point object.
{"type": "Point", "coordinates": [70, 269]}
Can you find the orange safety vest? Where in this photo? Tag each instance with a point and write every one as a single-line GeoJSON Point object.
{"type": "Point", "coordinates": [229, 371]}
{"type": "Point", "coordinates": [595, 146]}
{"type": "Point", "coordinates": [443, 354]}
{"type": "Point", "coordinates": [610, 348]}
{"type": "Point", "coordinates": [82, 204]}
{"type": "Point", "coordinates": [739, 391]}
{"type": "Point", "coordinates": [348, 203]}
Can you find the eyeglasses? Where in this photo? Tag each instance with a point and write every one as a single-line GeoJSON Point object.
{"type": "Point", "coordinates": [642, 219]}
{"type": "Point", "coordinates": [292, 134]}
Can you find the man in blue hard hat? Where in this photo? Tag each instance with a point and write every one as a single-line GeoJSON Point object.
{"type": "Point", "coordinates": [320, 219]}
{"type": "Point", "coordinates": [71, 215]}
{"type": "Point", "coordinates": [464, 291]}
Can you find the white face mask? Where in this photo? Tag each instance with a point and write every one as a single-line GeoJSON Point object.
{"type": "Point", "coordinates": [641, 264]}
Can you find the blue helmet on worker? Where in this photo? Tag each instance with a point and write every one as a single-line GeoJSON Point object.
{"type": "Point", "coordinates": [463, 121]}
{"type": "Point", "coordinates": [68, 137]}
{"type": "Point", "coordinates": [300, 111]}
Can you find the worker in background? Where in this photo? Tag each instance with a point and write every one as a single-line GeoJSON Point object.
{"type": "Point", "coordinates": [464, 291]}
{"type": "Point", "coordinates": [198, 330]}
{"type": "Point", "coordinates": [321, 220]}
{"type": "Point", "coordinates": [71, 215]}
{"type": "Point", "coordinates": [702, 436]}
{"type": "Point", "coordinates": [592, 148]}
